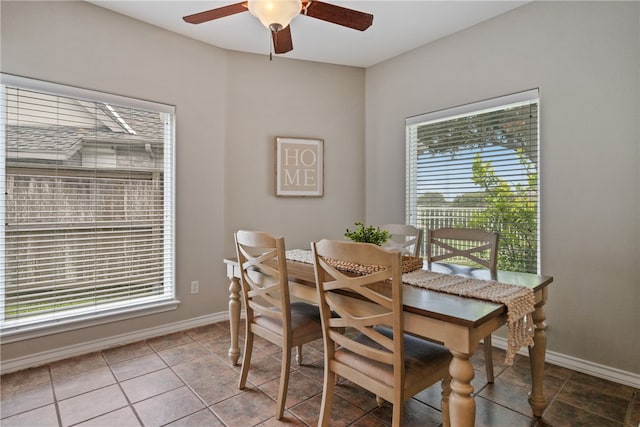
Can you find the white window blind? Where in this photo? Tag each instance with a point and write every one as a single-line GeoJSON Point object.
{"type": "Point", "coordinates": [87, 205]}
{"type": "Point", "coordinates": [477, 166]}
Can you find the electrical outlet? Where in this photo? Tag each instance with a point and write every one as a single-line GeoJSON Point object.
{"type": "Point", "coordinates": [195, 287]}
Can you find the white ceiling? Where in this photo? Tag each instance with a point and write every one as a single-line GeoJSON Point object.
{"type": "Point", "coordinates": [398, 26]}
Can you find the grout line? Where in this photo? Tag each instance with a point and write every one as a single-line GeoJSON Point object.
{"type": "Point", "coordinates": [53, 393]}
{"type": "Point", "coordinates": [133, 409]}
{"type": "Point", "coordinates": [555, 396]}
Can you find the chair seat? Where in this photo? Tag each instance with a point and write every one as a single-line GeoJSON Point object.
{"type": "Point", "coordinates": [305, 320]}
{"type": "Point", "coordinates": [422, 359]}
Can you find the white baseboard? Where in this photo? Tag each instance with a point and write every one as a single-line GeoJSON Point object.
{"type": "Point", "coordinates": [580, 365]}
{"type": "Point", "coordinates": [38, 359]}
{"type": "Point", "coordinates": [45, 357]}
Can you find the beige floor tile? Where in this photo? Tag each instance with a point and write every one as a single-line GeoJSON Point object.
{"type": "Point", "coordinates": [92, 404]}
{"type": "Point", "coordinates": [212, 387]}
{"type": "Point", "coordinates": [24, 379]}
{"type": "Point", "coordinates": [561, 414]}
{"type": "Point", "coordinates": [183, 353]}
{"type": "Point", "coordinates": [300, 388]}
{"type": "Point", "coordinates": [26, 399]}
{"type": "Point", "coordinates": [132, 368]}
{"type": "Point", "coordinates": [168, 407]}
{"type": "Point", "coordinates": [124, 417]}
{"type": "Point", "coordinates": [602, 397]}
{"type": "Point", "coordinates": [287, 420]}
{"type": "Point", "coordinates": [152, 384]}
{"type": "Point", "coordinates": [202, 418]}
{"type": "Point", "coordinates": [208, 331]}
{"type": "Point", "coordinates": [41, 417]}
{"type": "Point", "coordinates": [248, 408]}
{"type": "Point", "coordinates": [168, 341]}
{"type": "Point", "coordinates": [74, 385]}
{"type": "Point", "coordinates": [343, 413]}
{"type": "Point", "coordinates": [77, 365]}
{"type": "Point", "coordinates": [126, 352]}
{"type": "Point", "coordinates": [488, 414]}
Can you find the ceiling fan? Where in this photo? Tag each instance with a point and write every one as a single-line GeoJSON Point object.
{"type": "Point", "coordinates": [277, 14]}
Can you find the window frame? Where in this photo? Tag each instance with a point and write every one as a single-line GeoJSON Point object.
{"type": "Point", "coordinates": [12, 331]}
{"type": "Point", "coordinates": [498, 104]}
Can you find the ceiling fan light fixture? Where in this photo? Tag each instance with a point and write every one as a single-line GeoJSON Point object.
{"type": "Point", "coordinates": [275, 14]}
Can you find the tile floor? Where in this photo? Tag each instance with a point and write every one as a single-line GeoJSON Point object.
{"type": "Point", "coordinates": [185, 379]}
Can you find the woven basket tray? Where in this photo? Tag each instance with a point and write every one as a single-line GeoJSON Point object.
{"type": "Point", "coordinates": [409, 263]}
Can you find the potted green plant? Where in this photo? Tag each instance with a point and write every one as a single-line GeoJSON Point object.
{"type": "Point", "coordinates": [368, 234]}
{"type": "Point", "coordinates": [377, 236]}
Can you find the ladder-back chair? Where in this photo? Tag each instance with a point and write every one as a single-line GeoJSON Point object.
{"type": "Point", "coordinates": [472, 244]}
{"type": "Point", "coordinates": [404, 237]}
{"type": "Point", "coordinates": [364, 339]}
{"type": "Point", "coordinates": [269, 312]}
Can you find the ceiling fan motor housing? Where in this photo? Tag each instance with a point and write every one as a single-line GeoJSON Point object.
{"type": "Point", "coordinates": [275, 14]}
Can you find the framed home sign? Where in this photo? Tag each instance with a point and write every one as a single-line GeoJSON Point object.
{"type": "Point", "coordinates": [299, 167]}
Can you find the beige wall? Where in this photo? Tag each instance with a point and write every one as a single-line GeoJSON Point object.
{"type": "Point", "coordinates": [585, 58]}
{"type": "Point", "coordinates": [295, 99]}
{"type": "Point", "coordinates": [229, 108]}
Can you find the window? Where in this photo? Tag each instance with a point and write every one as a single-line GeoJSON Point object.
{"type": "Point", "coordinates": [87, 207]}
{"type": "Point", "coordinates": [477, 166]}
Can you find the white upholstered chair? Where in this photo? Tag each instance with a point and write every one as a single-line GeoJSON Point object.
{"type": "Point", "coordinates": [269, 312]}
{"type": "Point", "coordinates": [404, 237]}
{"type": "Point", "coordinates": [467, 244]}
{"type": "Point", "coordinates": [364, 340]}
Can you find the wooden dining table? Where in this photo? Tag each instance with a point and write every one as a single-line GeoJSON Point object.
{"type": "Point", "coordinates": [459, 323]}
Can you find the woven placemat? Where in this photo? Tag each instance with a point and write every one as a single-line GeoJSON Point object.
{"type": "Point", "coordinates": [409, 263]}
{"type": "Point", "coordinates": [300, 255]}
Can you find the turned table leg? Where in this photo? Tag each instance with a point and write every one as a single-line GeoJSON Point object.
{"type": "Point", "coordinates": [446, 392]}
{"type": "Point", "coordinates": [462, 406]}
{"type": "Point", "coordinates": [234, 318]}
{"type": "Point", "coordinates": [536, 357]}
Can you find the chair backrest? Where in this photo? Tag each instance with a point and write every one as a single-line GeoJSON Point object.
{"type": "Point", "coordinates": [376, 300]}
{"type": "Point", "coordinates": [265, 293]}
{"type": "Point", "coordinates": [477, 245]}
{"type": "Point", "coordinates": [404, 237]}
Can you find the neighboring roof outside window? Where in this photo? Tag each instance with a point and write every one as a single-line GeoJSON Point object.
{"type": "Point", "coordinates": [63, 136]}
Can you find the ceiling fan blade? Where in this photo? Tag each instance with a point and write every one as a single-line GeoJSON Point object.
{"type": "Point", "coordinates": [338, 15]}
{"type": "Point", "coordinates": [220, 12]}
{"type": "Point", "coordinates": [282, 42]}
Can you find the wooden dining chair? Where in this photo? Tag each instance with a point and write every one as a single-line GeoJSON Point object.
{"type": "Point", "coordinates": [364, 340]}
{"type": "Point", "coordinates": [404, 237]}
{"type": "Point", "coordinates": [458, 245]}
{"type": "Point", "coordinates": [269, 312]}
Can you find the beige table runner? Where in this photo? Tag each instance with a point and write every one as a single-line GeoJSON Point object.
{"type": "Point", "coordinates": [519, 300]}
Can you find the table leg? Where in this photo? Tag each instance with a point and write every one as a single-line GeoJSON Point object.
{"type": "Point", "coordinates": [462, 406]}
{"type": "Point", "coordinates": [234, 319]}
{"type": "Point", "coordinates": [446, 393]}
{"type": "Point", "coordinates": [536, 357]}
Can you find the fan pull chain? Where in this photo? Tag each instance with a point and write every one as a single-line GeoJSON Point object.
{"type": "Point", "coordinates": [270, 47]}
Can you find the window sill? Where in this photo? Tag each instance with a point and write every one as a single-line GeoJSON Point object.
{"type": "Point", "coordinates": [14, 333]}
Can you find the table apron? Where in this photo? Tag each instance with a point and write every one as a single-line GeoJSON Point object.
{"type": "Point", "coordinates": [460, 338]}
